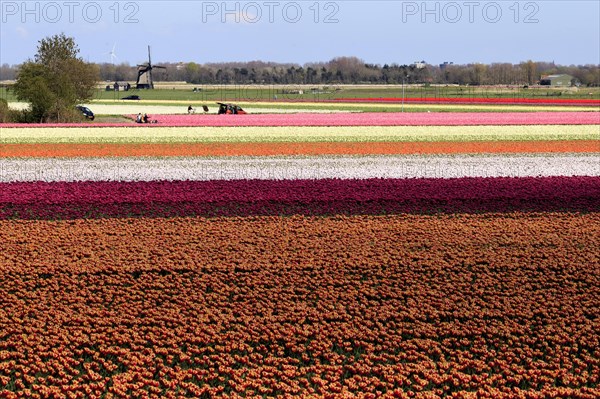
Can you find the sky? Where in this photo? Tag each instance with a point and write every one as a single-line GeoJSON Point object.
{"type": "Point", "coordinates": [378, 32]}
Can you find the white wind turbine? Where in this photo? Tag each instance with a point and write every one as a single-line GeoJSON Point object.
{"type": "Point", "coordinates": [113, 57]}
{"type": "Point", "coordinates": [112, 54]}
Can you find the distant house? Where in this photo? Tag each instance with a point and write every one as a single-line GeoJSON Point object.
{"type": "Point", "coordinates": [563, 80]}
{"type": "Point", "coordinates": [121, 86]}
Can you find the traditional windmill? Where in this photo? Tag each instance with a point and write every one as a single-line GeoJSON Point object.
{"type": "Point", "coordinates": [144, 76]}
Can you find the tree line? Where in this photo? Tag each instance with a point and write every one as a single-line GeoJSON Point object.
{"type": "Point", "coordinates": [347, 70]}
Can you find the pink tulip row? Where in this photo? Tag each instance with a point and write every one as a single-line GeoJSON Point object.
{"type": "Point", "coordinates": [386, 119]}
{"type": "Point", "coordinates": [360, 119]}
{"type": "Point", "coordinates": [63, 200]}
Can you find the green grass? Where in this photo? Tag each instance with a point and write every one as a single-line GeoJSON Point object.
{"type": "Point", "coordinates": [326, 93]}
{"type": "Point", "coordinates": [264, 95]}
{"type": "Point", "coordinates": [233, 93]}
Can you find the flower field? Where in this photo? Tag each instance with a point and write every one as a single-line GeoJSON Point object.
{"type": "Point", "coordinates": [144, 169]}
{"type": "Point", "coordinates": [298, 134]}
{"type": "Point", "coordinates": [315, 255]}
{"type": "Point", "coordinates": [314, 197]}
{"type": "Point", "coordinates": [387, 119]}
{"type": "Point", "coordinates": [179, 107]}
{"type": "Point", "coordinates": [360, 119]}
{"type": "Point", "coordinates": [215, 149]}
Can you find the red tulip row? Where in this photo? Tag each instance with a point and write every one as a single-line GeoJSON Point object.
{"type": "Point", "coordinates": [475, 100]}
{"type": "Point", "coordinates": [68, 200]}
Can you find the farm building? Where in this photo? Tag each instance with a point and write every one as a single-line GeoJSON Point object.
{"type": "Point", "coordinates": [118, 86]}
{"type": "Point", "coordinates": [122, 86]}
{"type": "Point", "coordinates": [556, 80]}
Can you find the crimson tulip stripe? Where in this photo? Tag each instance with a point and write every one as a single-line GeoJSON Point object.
{"type": "Point", "coordinates": [305, 197]}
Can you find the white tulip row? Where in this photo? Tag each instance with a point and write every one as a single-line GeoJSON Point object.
{"type": "Point", "coordinates": [290, 168]}
{"type": "Point", "coordinates": [152, 109]}
{"type": "Point", "coordinates": [110, 107]}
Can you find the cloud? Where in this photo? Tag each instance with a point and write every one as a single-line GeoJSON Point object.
{"type": "Point", "coordinates": [22, 32]}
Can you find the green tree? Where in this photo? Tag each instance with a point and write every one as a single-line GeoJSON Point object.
{"type": "Point", "coordinates": [55, 81]}
{"type": "Point", "coordinates": [4, 111]}
{"type": "Point", "coordinates": [192, 72]}
{"type": "Point", "coordinates": [530, 71]}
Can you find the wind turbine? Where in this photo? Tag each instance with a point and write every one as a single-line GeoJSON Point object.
{"type": "Point", "coordinates": [112, 54]}
{"type": "Point", "coordinates": [113, 57]}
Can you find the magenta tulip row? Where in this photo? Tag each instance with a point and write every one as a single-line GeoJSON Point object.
{"type": "Point", "coordinates": [360, 119]}
{"type": "Point", "coordinates": [38, 200]}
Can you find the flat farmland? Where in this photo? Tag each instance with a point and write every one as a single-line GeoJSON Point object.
{"type": "Point", "coordinates": [324, 255]}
